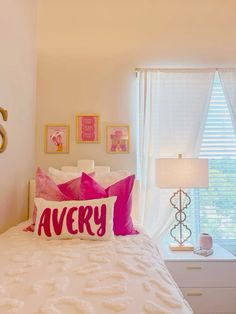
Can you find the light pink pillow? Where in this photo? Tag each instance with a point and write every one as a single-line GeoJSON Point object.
{"type": "Point", "coordinates": [122, 221]}
{"type": "Point", "coordinates": [47, 189]}
{"type": "Point", "coordinates": [88, 219]}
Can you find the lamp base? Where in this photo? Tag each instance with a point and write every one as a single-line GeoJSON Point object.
{"type": "Point", "coordinates": [178, 247]}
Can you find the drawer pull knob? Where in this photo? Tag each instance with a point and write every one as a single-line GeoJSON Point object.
{"type": "Point", "coordinates": [194, 267]}
{"type": "Point", "coordinates": [194, 294]}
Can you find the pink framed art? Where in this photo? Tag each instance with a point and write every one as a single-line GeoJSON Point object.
{"type": "Point", "coordinates": [87, 128]}
{"type": "Point", "coordinates": [56, 139]}
{"type": "Point", "coordinates": [118, 138]}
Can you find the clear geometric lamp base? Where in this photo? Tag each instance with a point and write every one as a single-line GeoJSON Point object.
{"type": "Point", "coordinates": [180, 232]}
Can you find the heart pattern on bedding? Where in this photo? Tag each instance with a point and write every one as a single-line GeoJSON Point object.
{"type": "Point", "coordinates": [10, 305]}
{"type": "Point", "coordinates": [155, 308]}
{"type": "Point", "coordinates": [118, 304]}
{"type": "Point", "coordinates": [125, 275]}
{"type": "Point", "coordinates": [106, 283]}
{"type": "Point", "coordinates": [80, 306]}
{"type": "Point", "coordinates": [51, 286]}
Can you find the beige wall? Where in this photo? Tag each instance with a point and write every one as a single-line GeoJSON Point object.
{"type": "Point", "coordinates": [88, 49]}
{"type": "Point", "coordinates": [17, 95]}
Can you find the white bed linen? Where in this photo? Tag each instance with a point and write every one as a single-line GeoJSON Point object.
{"type": "Point", "coordinates": [125, 275]}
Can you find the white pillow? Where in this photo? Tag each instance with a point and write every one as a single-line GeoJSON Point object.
{"type": "Point", "coordinates": [102, 169]}
{"type": "Point", "coordinates": [85, 165]}
{"type": "Point", "coordinates": [90, 219]}
{"type": "Point", "coordinates": [59, 176]}
{"type": "Point", "coordinates": [70, 169]}
{"type": "Point", "coordinates": [107, 179]}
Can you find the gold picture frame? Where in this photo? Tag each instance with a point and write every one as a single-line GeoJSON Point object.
{"type": "Point", "coordinates": [88, 128]}
{"type": "Point", "coordinates": [56, 138]}
{"type": "Point", "coordinates": [118, 139]}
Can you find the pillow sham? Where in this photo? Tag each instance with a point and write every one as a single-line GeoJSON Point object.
{"type": "Point", "coordinates": [87, 219]}
{"type": "Point", "coordinates": [122, 221]}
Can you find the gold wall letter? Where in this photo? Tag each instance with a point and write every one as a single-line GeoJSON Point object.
{"type": "Point", "coordinates": [3, 133]}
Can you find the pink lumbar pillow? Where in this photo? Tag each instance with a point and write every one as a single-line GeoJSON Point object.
{"type": "Point", "coordinates": [47, 189]}
{"type": "Point", "coordinates": [91, 219]}
{"type": "Point", "coordinates": [122, 221]}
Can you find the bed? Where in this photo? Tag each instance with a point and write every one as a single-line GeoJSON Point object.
{"type": "Point", "coordinates": [124, 275]}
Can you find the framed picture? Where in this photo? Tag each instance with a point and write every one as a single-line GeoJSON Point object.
{"type": "Point", "coordinates": [118, 138]}
{"type": "Point", "coordinates": [87, 128]}
{"type": "Point", "coordinates": [56, 139]}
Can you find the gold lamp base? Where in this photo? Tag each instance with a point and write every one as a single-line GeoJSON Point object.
{"type": "Point", "coordinates": [178, 247]}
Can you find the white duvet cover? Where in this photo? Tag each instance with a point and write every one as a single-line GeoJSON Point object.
{"type": "Point", "coordinates": [125, 275]}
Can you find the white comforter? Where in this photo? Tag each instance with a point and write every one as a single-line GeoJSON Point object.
{"type": "Point", "coordinates": [125, 275]}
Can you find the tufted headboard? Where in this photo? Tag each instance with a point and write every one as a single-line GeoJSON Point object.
{"type": "Point", "coordinates": [89, 166]}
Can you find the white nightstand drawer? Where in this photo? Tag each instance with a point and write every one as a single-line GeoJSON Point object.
{"type": "Point", "coordinates": [211, 300]}
{"type": "Point", "coordinates": [203, 274]}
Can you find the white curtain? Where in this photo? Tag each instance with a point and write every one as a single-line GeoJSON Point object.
{"type": "Point", "coordinates": [173, 106]}
{"type": "Point", "coordinates": [228, 81]}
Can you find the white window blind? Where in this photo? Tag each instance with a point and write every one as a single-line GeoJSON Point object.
{"type": "Point", "coordinates": [215, 208]}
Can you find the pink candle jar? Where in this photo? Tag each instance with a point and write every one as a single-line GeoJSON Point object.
{"type": "Point", "coordinates": [205, 241]}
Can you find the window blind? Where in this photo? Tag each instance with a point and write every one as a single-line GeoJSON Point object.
{"type": "Point", "coordinates": [215, 207]}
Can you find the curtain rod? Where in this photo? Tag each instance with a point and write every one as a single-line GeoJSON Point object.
{"type": "Point", "coordinates": [183, 69]}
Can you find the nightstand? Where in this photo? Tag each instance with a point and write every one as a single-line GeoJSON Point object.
{"type": "Point", "coordinates": [207, 283]}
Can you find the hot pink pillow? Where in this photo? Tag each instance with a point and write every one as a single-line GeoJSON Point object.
{"type": "Point", "coordinates": [47, 189]}
{"type": "Point", "coordinates": [122, 221]}
{"type": "Point", "coordinates": [90, 189]}
{"type": "Point", "coordinates": [70, 188]}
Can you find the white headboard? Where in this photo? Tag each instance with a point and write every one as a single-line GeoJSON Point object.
{"type": "Point", "coordinates": [89, 166]}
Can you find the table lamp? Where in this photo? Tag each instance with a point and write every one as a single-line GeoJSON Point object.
{"type": "Point", "coordinates": [181, 173]}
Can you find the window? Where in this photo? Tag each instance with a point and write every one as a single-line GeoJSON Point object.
{"type": "Point", "coordinates": [170, 112]}
{"type": "Point", "coordinates": [214, 209]}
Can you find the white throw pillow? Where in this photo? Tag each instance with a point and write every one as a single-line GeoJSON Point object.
{"type": "Point", "coordinates": [85, 165]}
{"type": "Point", "coordinates": [107, 179]}
{"type": "Point", "coordinates": [59, 176]}
{"type": "Point", "coordinates": [70, 169]}
{"type": "Point", "coordinates": [90, 219]}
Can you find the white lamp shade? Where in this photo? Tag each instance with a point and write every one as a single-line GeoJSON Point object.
{"type": "Point", "coordinates": [182, 173]}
